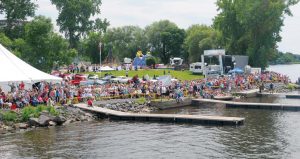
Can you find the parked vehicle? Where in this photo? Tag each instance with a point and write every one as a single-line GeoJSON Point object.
{"type": "Point", "coordinates": [108, 77]}
{"type": "Point", "coordinates": [93, 82]}
{"type": "Point", "coordinates": [120, 79]}
{"type": "Point", "coordinates": [78, 78]}
{"type": "Point", "coordinates": [66, 76]}
{"type": "Point", "coordinates": [196, 68]}
{"type": "Point", "coordinates": [91, 76]}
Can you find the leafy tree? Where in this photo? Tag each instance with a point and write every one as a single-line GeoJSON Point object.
{"type": "Point", "coordinates": [41, 47]}
{"type": "Point", "coordinates": [5, 41]}
{"type": "Point", "coordinates": [150, 61]}
{"type": "Point", "coordinates": [165, 39]}
{"type": "Point", "coordinates": [252, 27]}
{"type": "Point", "coordinates": [16, 11]}
{"type": "Point", "coordinates": [75, 21]}
{"type": "Point", "coordinates": [285, 58]}
{"type": "Point", "coordinates": [90, 47]}
{"type": "Point", "coordinates": [125, 41]}
{"type": "Point", "coordinates": [200, 38]}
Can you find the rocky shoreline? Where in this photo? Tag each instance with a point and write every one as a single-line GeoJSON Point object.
{"type": "Point", "coordinates": [66, 116]}
{"type": "Point", "coordinates": [70, 114]}
{"type": "Point", "coordinates": [126, 105]}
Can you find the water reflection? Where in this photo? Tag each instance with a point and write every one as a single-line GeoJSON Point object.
{"type": "Point", "coordinates": [266, 134]}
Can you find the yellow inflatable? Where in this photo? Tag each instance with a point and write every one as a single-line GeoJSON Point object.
{"type": "Point", "coordinates": [139, 54]}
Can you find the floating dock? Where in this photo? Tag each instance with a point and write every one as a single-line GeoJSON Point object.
{"type": "Point", "coordinates": [232, 104]}
{"type": "Point", "coordinates": [293, 96]}
{"type": "Point", "coordinates": [172, 103]}
{"type": "Point", "coordinates": [174, 118]}
{"type": "Point", "coordinates": [248, 93]}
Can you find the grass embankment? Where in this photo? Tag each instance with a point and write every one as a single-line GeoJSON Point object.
{"type": "Point", "coordinates": [181, 75]}
{"type": "Point", "coordinates": [26, 113]}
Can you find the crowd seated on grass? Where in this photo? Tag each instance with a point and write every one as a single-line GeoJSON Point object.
{"type": "Point", "coordinates": [64, 93]}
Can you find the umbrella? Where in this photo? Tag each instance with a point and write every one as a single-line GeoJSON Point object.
{"type": "Point", "coordinates": [236, 70]}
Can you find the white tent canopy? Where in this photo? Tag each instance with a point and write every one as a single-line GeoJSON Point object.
{"type": "Point", "coordinates": [13, 69]}
{"type": "Point", "coordinates": [107, 68]}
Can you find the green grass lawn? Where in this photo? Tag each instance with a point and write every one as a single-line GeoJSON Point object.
{"type": "Point", "coordinates": [181, 75]}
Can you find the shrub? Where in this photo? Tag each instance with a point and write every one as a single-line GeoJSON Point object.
{"type": "Point", "coordinates": [150, 61]}
{"type": "Point", "coordinates": [52, 111]}
{"type": "Point", "coordinates": [30, 111]}
{"type": "Point", "coordinates": [141, 100]}
{"type": "Point", "coordinates": [291, 86]}
{"type": "Point", "coordinates": [41, 108]}
{"type": "Point", "coordinates": [10, 116]}
{"type": "Point", "coordinates": [27, 112]}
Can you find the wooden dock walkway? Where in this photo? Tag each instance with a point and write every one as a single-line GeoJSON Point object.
{"type": "Point", "coordinates": [286, 95]}
{"type": "Point", "coordinates": [175, 118]}
{"type": "Point", "coordinates": [232, 104]}
{"type": "Point", "coordinates": [248, 93]}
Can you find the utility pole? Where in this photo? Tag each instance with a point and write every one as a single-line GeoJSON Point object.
{"type": "Point", "coordinates": [100, 46]}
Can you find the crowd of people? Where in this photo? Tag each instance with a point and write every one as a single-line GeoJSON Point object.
{"type": "Point", "coordinates": [65, 93]}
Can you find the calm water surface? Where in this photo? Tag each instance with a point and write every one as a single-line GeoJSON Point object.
{"type": "Point", "coordinates": [266, 134]}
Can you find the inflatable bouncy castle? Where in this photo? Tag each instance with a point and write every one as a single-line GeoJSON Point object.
{"type": "Point", "coordinates": [140, 59]}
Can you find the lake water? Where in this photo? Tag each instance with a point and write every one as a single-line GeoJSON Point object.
{"type": "Point", "coordinates": [266, 134]}
{"type": "Point", "coordinates": [293, 71]}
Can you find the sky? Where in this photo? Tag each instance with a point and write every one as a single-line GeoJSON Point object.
{"type": "Point", "coordinates": [182, 12]}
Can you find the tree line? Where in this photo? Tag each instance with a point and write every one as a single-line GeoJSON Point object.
{"type": "Point", "coordinates": [245, 27]}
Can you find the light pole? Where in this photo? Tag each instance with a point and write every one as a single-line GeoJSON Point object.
{"type": "Point", "coordinates": [100, 47]}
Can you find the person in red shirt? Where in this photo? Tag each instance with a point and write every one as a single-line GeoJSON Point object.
{"type": "Point", "coordinates": [13, 106]}
{"type": "Point", "coordinates": [90, 102]}
{"type": "Point", "coordinates": [22, 86]}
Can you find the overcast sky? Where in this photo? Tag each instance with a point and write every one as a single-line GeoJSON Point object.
{"type": "Point", "coordinates": [183, 12]}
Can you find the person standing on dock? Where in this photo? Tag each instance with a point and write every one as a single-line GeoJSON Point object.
{"type": "Point", "coordinates": [271, 88]}
{"type": "Point", "coordinates": [261, 87]}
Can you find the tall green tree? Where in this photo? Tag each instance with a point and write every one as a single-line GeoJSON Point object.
{"type": "Point", "coordinates": [16, 12]}
{"type": "Point", "coordinates": [165, 39]}
{"type": "Point", "coordinates": [252, 27]}
{"type": "Point", "coordinates": [200, 38]}
{"type": "Point", "coordinates": [125, 41]}
{"type": "Point", "coordinates": [5, 41]}
{"type": "Point", "coordinates": [41, 47]}
{"type": "Point", "coordinates": [90, 46]}
{"type": "Point", "coordinates": [75, 19]}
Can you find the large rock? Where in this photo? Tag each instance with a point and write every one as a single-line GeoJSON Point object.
{"type": "Point", "coordinates": [33, 122]}
{"type": "Point", "coordinates": [44, 120]}
{"type": "Point", "coordinates": [88, 115]}
{"type": "Point", "coordinates": [68, 122]}
{"type": "Point", "coordinates": [23, 126]}
{"type": "Point", "coordinates": [59, 119]}
{"type": "Point", "coordinates": [2, 131]}
{"type": "Point", "coordinates": [52, 123]}
{"type": "Point", "coordinates": [9, 128]}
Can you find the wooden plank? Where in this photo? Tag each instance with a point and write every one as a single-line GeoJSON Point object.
{"type": "Point", "coordinates": [211, 120]}
{"type": "Point", "coordinates": [277, 106]}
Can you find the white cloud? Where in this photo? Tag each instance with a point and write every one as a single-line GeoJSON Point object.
{"type": "Point", "coordinates": [47, 9]}
{"type": "Point", "coordinates": [291, 32]}
{"type": "Point", "coordinates": [142, 13]}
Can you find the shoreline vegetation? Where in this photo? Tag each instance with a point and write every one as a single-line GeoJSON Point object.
{"type": "Point", "coordinates": [30, 117]}
{"type": "Point", "coordinates": [289, 63]}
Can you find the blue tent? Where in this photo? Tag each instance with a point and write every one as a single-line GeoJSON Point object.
{"type": "Point", "coordinates": [236, 70]}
